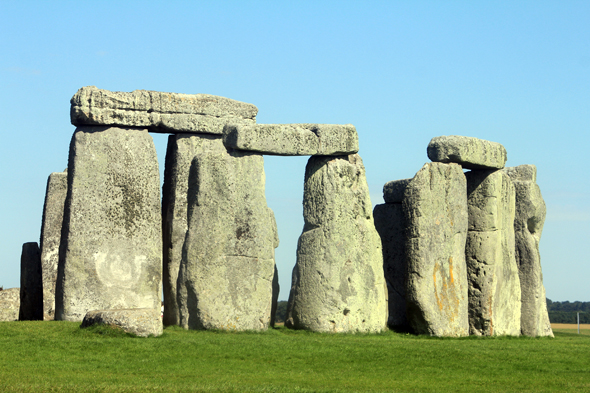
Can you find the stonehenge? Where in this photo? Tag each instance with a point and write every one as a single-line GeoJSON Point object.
{"type": "Point", "coordinates": [453, 251]}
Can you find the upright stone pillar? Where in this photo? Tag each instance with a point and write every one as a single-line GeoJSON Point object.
{"type": "Point", "coordinates": [391, 225]}
{"type": "Point", "coordinates": [435, 208]}
{"type": "Point", "coordinates": [111, 246]}
{"type": "Point", "coordinates": [338, 283]}
{"type": "Point", "coordinates": [226, 272]}
{"type": "Point", "coordinates": [528, 226]}
{"type": "Point", "coordinates": [494, 286]}
{"type": "Point", "coordinates": [31, 284]}
{"type": "Point", "coordinates": [53, 212]}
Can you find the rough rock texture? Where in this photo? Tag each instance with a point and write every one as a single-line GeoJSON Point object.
{"type": "Point", "coordinates": [53, 213]}
{"type": "Point", "coordinates": [160, 112]}
{"type": "Point", "coordinates": [142, 322]}
{"type": "Point", "coordinates": [111, 246]}
{"type": "Point", "coordinates": [390, 223]}
{"type": "Point", "coordinates": [227, 268]}
{"type": "Point", "coordinates": [528, 226]}
{"type": "Point", "coordinates": [471, 153]}
{"type": "Point", "coordinates": [393, 191]}
{"type": "Point", "coordinates": [293, 139]}
{"type": "Point", "coordinates": [494, 287]}
{"type": "Point", "coordinates": [338, 283]}
{"type": "Point", "coordinates": [9, 304]}
{"type": "Point", "coordinates": [435, 208]}
{"type": "Point", "coordinates": [31, 284]}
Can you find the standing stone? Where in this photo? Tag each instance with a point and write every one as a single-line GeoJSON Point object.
{"type": "Point", "coordinates": [435, 208]}
{"type": "Point", "coordinates": [31, 284]}
{"type": "Point", "coordinates": [111, 246]}
{"type": "Point", "coordinates": [9, 304]}
{"type": "Point", "coordinates": [528, 226]}
{"type": "Point", "coordinates": [494, 287]}
{"type": "Point", "coordinates": [160, 112]}
{"type": "Point", "coordinates": [472, 153]}
{"type": "Point", "coordinates": [226, 273]}
{"type": "Point", "coordinates": [142, 322]}
{"type": "Point", "coordinates": [391, 225]}
{"type": "Point", "coordinates": [53, 212]}
{"type": "Point", "coordinates": [338, 283]}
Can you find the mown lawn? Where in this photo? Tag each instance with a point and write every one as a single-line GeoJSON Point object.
{"type": "Point", "coordinates": [59, 356]}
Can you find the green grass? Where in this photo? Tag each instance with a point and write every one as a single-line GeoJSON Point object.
{"type": "Point", "coordinates": [58, 356]}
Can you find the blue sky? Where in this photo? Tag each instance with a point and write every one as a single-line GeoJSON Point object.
{"type": "Point", "coordinates": [517, 73]}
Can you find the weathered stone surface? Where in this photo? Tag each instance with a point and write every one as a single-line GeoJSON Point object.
{"type": "Point", "coordinates": [494, 287]}
{"type": "Point", "coordinates": [390, 223]}
{"type": "Point", "coordinates": [435, 209]}
{"type": "Point", "coordinates": [142, 322]}
{"type": "Point", "coordinates": [111, 246]}
{"type": "Point", "coordinates": [53, 213]}
{"type": "Point", "coordinates": [227, 268]}
{"type": "Point", "coordinates": [471, 153]}
{"type": "Point", "coordinates": [338, 283]}
{"type": "Point", "coordinates": [159, 112]}
{"type": "Point", "coordinates": [9, 304]}
{"type": "Point", "coordinates": [31, 283]}
{"type": "Point", "coordinates": [522, 173]}
{"type": "Point", "coordinates": [393, 191]}
{"type": "Point", "coordinates": [293, 139]}
{"type": "Point", "coordinates": [528, 226]}
{"type": "Point", "coordinates": [182, 148]}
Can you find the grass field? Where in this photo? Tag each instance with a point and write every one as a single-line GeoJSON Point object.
{"type": "Point", "coordinates": [59, 356]}
{"type": "Point", "coordinates": [571, 328]}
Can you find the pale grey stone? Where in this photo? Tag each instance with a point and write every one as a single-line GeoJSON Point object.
{"type": "Point", "coordinates": [293, 139]}
{"type": "Point", "coordinates": [528, 226]}
{"type": "Point", "coordinates": [31, 284]}
{"type": "Point", "coordinates": [227, 268]}
{"type": "Point", "coordinates": [142, 322]}
{"type": "Point", "coordinates": [390, 223]}
{"type": "Point", "coordinates": [435, 209]}
{"type": "Point", "coordinates": [494, 286]}
{"type": "Point", "coordinates": [160, 112]}
{"type": "Point", "coordinates": [393, 191]}
{"type": "Point", "coordinates": [111, 246]}
{"type": "Point", "coordinates": [9, 304]}
{"type": "Point", "coordinates": [338, 283]}
{"type": "Point", "coordinates": [182, 148]}
{"type": "Point", "coordinates": [522, 173]}
{"type": "Point", "coordinates": [53, 213]}
{"type": "Point", "coordinates": [471, 153]}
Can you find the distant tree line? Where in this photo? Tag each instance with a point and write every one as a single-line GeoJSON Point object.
{"type": "Point", "coordinates": [566, 312]}
{"type": "Point", "coordinates": [559, 312]}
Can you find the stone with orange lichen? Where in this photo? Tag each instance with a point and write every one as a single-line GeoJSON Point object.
{"type": "Point", "coordinates": [435, 209]}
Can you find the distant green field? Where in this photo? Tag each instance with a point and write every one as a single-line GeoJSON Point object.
{"type": "Point", "coordinates": [59, 356]}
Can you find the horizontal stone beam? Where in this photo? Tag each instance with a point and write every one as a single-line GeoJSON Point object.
{"type": "Point", "coordinates": [293, 139]}
{"type": "Point", "coordinates": [159, 112]}
{"type": "Point", "coordinates": [469, 152]}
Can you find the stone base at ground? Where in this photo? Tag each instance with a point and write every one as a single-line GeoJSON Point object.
{"type": "Point", "coordinates": [142, 322]}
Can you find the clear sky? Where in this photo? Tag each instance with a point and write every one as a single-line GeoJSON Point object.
{"type": "Point", "coordinates": [517, 73]}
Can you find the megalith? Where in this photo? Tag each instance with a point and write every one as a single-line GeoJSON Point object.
{"type": "Point", "coordinates": [227, 268]}
{"type": "Point", "coordinates": [528, 226]}
{"type": "Point", "coordinates": [293, 139]}
{"type": "Point", "coordinates": [111, 243]}
{"type": "Point", "coordinates": [338, 283]}
{"type": "Point", "coordinates": [9, 304]}
{"type": "Point", "coordinates": [494, 286]}
{"type": "Point", "coordinates": [391, 226]}
{"type": "Point", "coordinates": [53, 211]}
{"type": "Point", "coordinates": [158, 111]}
{"type": "Point", "coordinates": [142, 322]}
{"type": "Point", "coordinates": [435, 210]}
{"type": "Point", "coordinates": [470, 152]}
{"type": "Point", "coordinates": [31, 284]}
